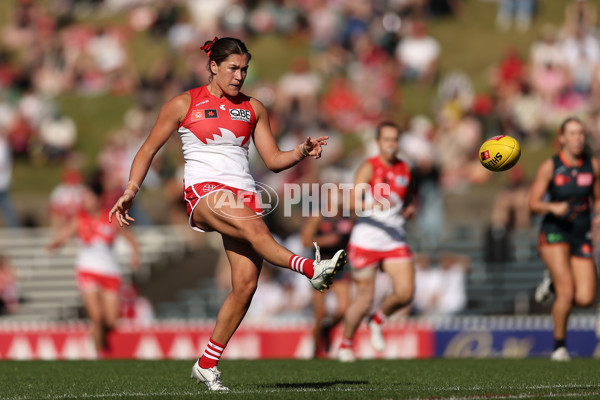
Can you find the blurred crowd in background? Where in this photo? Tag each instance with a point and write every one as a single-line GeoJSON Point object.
{"type": "Point", "coordinates": [359, 52]}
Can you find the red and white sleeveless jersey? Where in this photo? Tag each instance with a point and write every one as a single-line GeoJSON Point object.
{"type": "Point", "coordinates": [96, 237]}
{"type": "Point", "coordinates": [215, 135]}
{"type": "Point", "coordinates": [383, 229]}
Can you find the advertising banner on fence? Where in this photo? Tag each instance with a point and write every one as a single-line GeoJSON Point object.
{"type": "Point", "coordinates": [167, 340]}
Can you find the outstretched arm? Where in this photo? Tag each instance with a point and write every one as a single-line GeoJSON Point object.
{"type": "Point", "coordinates": [596, 191]}
{"type": "Point", "coordinates": [65, 233]}
{"type": "Point", "coordinates": [275, 159]}
{"type": "Point", "coordinates": [135, 247]}
{"type": "Point", "coordinates": [357, 194]}
{"type": "Point", "coordinates": [168, 120]}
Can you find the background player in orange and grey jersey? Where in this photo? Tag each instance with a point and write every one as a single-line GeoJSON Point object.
{"type": "Point", "coordinates": [571, 179]}
{"type": "Point", "coordinates": [330, 233]}
{"type": "Point", "coordinates": [98, 271]}
{"type": "Point", "coordinates": [378, 238]}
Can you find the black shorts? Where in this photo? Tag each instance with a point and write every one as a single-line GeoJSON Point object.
{"type": "Point", "coordinates": [580, 243]}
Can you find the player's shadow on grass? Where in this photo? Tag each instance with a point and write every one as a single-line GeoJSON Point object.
{"type": "Point", "coordinates": [314, 385]}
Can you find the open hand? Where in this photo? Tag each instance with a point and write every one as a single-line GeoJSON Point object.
{"type": "Point", "coordinates": [121, 208]}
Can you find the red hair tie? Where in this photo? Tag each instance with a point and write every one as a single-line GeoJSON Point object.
{"type": "Point", "coordinates": [209, 45]}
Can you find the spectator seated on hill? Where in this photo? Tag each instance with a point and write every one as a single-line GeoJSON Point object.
{"type": "Point", "coordinates": [510, 71]}
{"type": "Point", "coordinates": [582, 54]}
{"type": "Point", "coordinates": [9, 215]}
{"type": "Point", "coordinates": [57, 135]}
{"type": "Point", "coordinates": [300, 86]}
{"type": "Point", "coordinates": [418, 54]}
{"type": "Point", "coordinates": [510, 209]}
{"type": "Point", "coordinates": [66, 198]}
{"type": "Point", "coordinates": [440, 284]}
{"type": "Point", "coordinates": [20, 133]}
{"type": "Point", "coordinates": [580, 15]}
{"type": "Point", "coordinates": [340, 106]}
{"type": "Point", "coordinates": [457, 143]}
{"type": "Point", "coordinates": [521, 11]}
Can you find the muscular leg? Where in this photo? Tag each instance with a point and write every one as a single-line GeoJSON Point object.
{"type": "Point", "coordinates": [240, 223]}
{"type": "Point", "coordinates": [556, 257]}
{"type": "Point", "coordinates": [402, 274]}
{"type": "Point", "coordinates": [93, 308]}
{"type": "Point", "coordinates": [365, 287]}
{"type": "Point", "coordinates": [342, 295]}
{"type": "Point", "coordinates": [245, 270]}
{"type": "Point", "coordinates": [584, 279]}
{"type": "Point", "coordinates": [318, 303]}
{"type": "Point", "coordinates": [110, 312]}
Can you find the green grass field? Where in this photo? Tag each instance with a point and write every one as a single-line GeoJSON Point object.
{"type": "Point", "coordinates": [292, 379]}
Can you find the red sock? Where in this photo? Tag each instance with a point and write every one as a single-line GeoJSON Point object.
{"type": "Point", "coordinates": [211, 355]}
{"type": "Point", "coordinates": [346, 343]}
{"type": "Point", "coordinates": [302, 265]}
{"type": "Point", "coordinates": [378, 318]}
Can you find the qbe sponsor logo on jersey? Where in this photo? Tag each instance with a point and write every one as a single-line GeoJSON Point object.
{"type": "Point", "coordinates": [239, 114]}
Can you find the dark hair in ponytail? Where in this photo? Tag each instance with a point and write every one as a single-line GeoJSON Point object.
{"type": "Point", "coordinates": [219, 49]}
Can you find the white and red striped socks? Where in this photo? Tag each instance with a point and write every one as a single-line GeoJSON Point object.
{"type": "Point", "coordinates": [302, 265]}
{"type": "Point", "coordinates": [346, 343]}
{"type": "Point", "coordinates": [378, 317]}
{"type": "Point", "coordinates": [212, 354]}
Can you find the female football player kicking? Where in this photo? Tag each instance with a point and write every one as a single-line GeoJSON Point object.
{"type": "Point", "coordinates": [215, 123]}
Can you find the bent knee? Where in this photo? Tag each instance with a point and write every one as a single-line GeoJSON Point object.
{"type": "Point", "coordinates": [405, 295]}
{"type": "Point", "coordinates": [584, 300]}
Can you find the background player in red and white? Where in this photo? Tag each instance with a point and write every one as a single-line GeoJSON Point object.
{"type": "Point", "coordinates": [215, 123]}
{"type": "Point", "coordinates": [378, 238]}
{"type": "Point", "coordinates": [571, 181]}
{"type": "Point", "coordinates": [98, 271]}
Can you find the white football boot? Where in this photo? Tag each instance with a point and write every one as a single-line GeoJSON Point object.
{"type": "Point", "coordinates": [377, 340]}
{"type": "Point", "coordinates": [560, 354]}
{"type": "Point", "coordinates": [211, 377]}
{"type": "Point", "coordinates": [543, 292]}
{"type": "Point", "coordinates": [324, 270]}
{"type": "Point", "coordinates": [346, 355]}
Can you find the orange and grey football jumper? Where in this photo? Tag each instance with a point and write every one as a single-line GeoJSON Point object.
{"type": "Point", "coordinates": [573, 184]}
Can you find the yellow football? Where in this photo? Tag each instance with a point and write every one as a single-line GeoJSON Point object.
{"type": "Point", "coordinates": [499, 153]}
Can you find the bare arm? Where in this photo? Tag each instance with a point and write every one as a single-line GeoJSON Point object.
{"type": "Point", "coordinates": [539, 188]}
{"type": "Point", "coordinates": [135, 247]}
{"type": "Point", "coordinates": [168, 120]}
{"type": "Point", "coordinates": [596, 191]}
{"type": "Point", "coordinates": [309, 230]}
{"type": "Point", "coordinates": [65, 233]}
{"type": "Point", "coordinates": [357, 194]}
{"type": "Point", "coordinates": [275, 159]}
{"type": "Point", "coordinates": [409, 210]}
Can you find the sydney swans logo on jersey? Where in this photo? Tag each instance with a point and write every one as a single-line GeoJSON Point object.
{"type": "Point", "coordinates": [229, 204]}
{"type": "Point", "coordinates": [239, 114]}
{"type": "Point", "coordinates": [198, 115]}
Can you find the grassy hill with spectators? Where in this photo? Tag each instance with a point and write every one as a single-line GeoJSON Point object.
{"type": "Point", "coordinates": [469, 40]}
